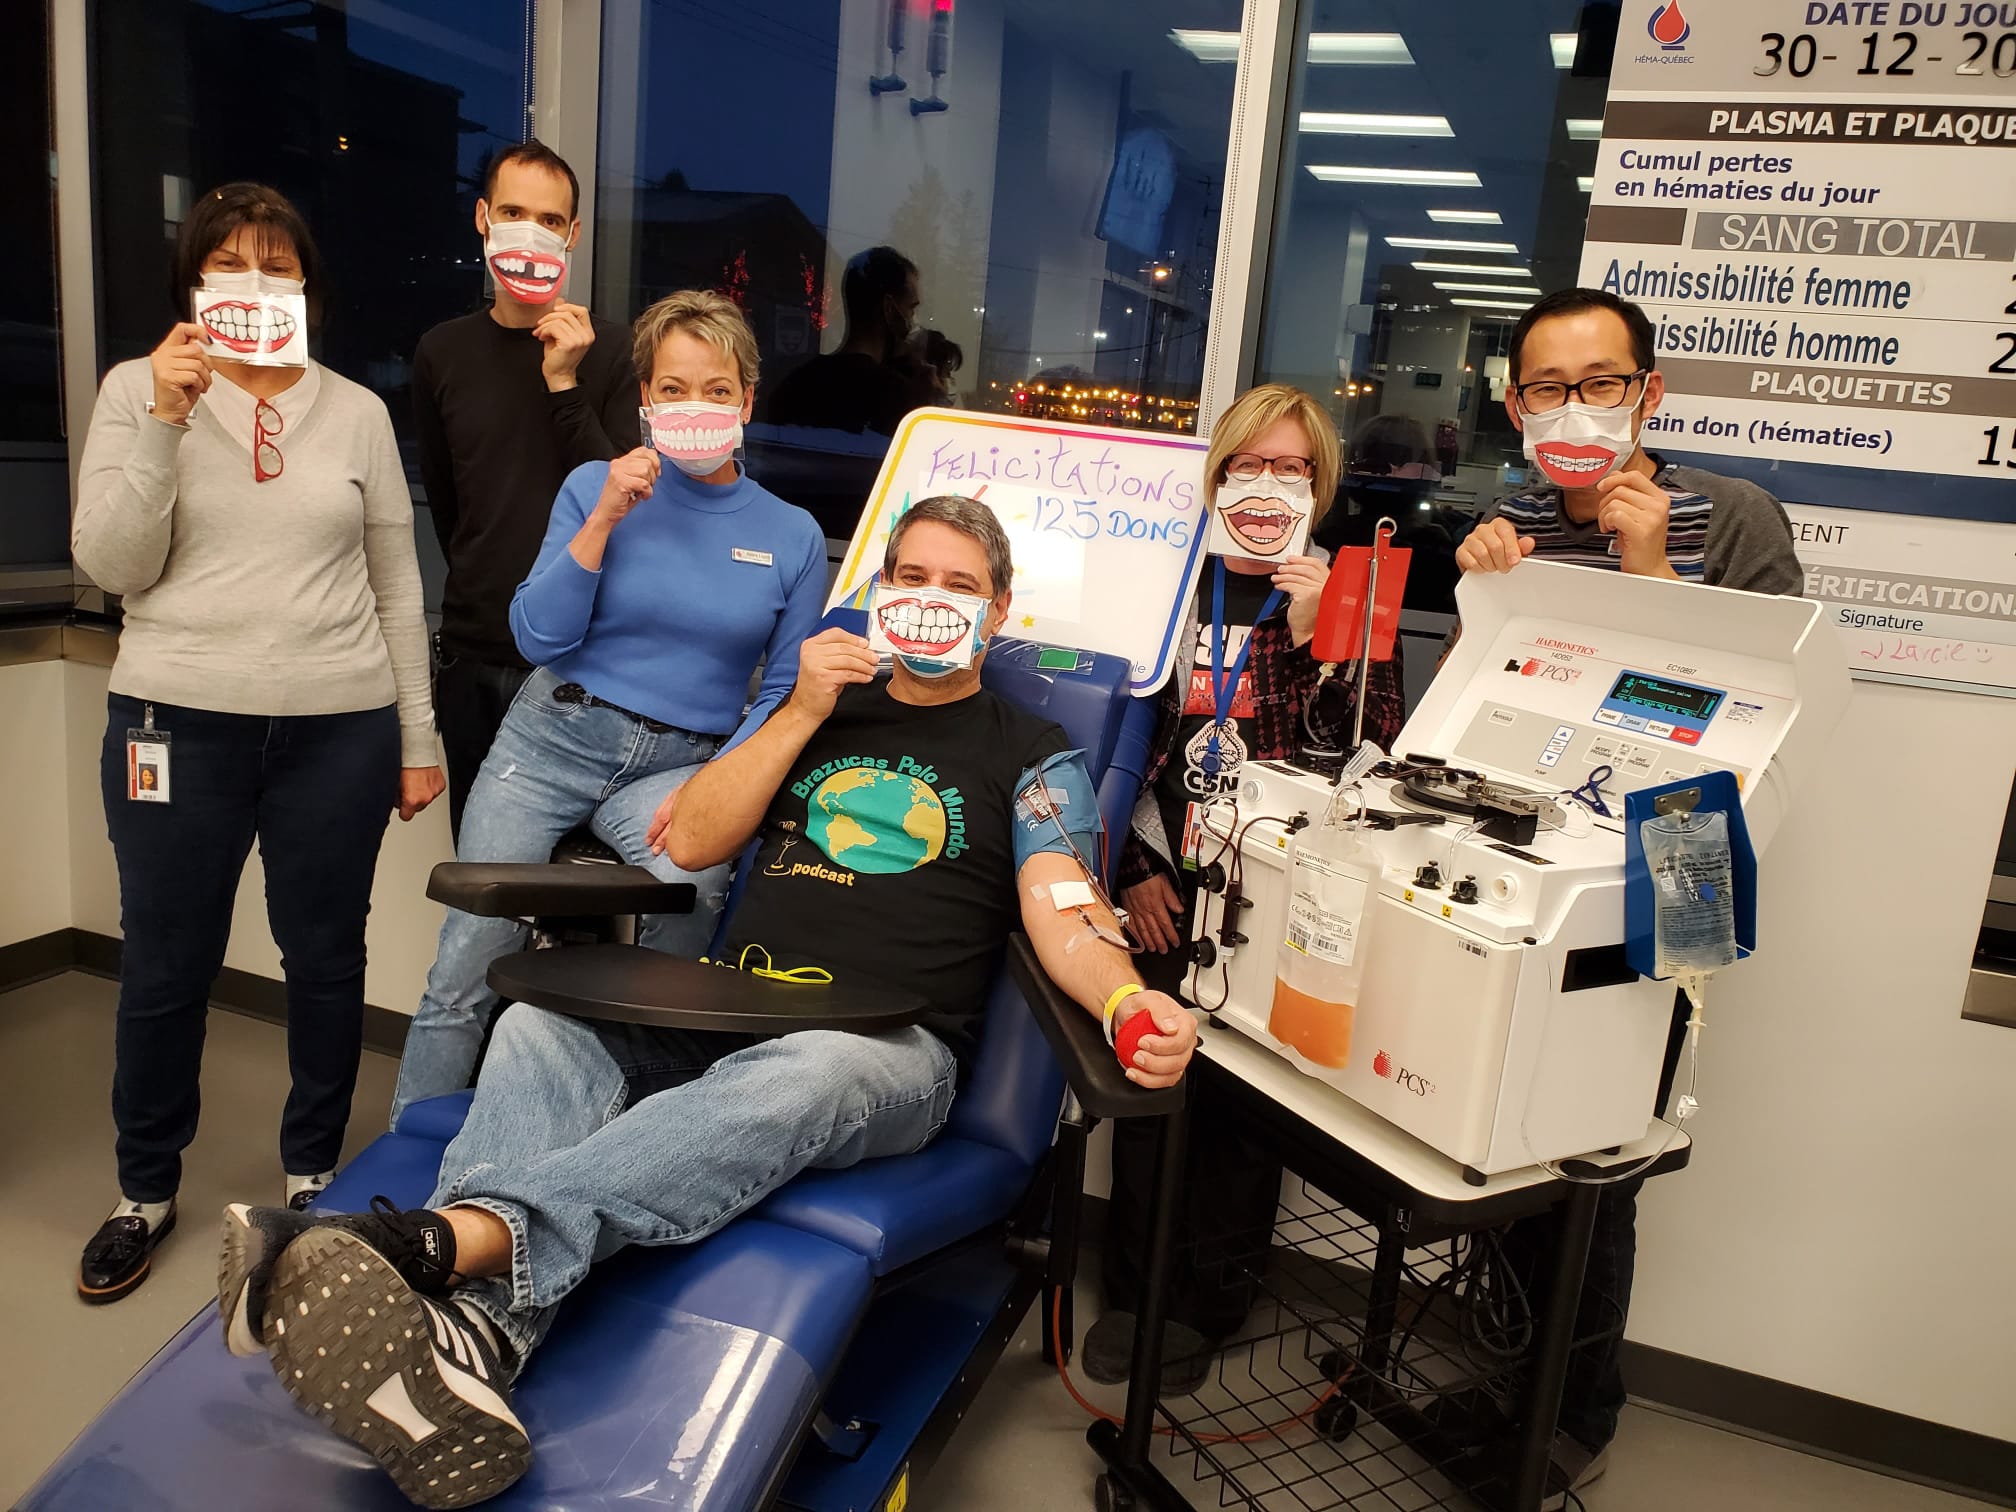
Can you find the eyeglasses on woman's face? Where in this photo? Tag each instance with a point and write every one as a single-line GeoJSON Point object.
{"type": "Point", "coordinates": [1246, 466]}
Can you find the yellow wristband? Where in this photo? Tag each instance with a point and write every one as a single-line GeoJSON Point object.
{"type": "Point", "coordinates": [1120, 995]}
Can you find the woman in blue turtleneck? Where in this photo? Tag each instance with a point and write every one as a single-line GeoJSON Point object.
{"type": "Point", "coordinates": [657, 591]}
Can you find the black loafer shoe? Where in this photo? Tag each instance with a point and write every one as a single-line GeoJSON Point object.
{"type": "Point", "coordinates": [118, 1257]}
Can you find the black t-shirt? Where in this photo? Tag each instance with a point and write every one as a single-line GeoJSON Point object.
{"type": "Point", "coordinates": [889, 852]}
{"type": "Point", "coordinates": [1182, 780]}
{"type": "Point", "coordinates": [495, 446]}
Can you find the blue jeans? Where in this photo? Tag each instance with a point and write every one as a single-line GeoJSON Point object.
{"type": "Point", "coordinates": [553, 766]}
{"type": "Point", "coordinates": [316, 791]}
{"type": "Point", "coordinates": [585, 1138]}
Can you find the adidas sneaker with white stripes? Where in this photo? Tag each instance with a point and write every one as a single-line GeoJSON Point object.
{"type": "Point", "coordinates": [417, 1383]}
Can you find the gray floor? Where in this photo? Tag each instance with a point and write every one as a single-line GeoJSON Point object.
{"type": "Point", "coordinates": [1022, 1446]}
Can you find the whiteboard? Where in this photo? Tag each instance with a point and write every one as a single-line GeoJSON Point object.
{"type": "Point", "coordinates": [1107, 526]}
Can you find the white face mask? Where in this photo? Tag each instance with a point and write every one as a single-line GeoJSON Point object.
{"type": "Point", "coordinates": [252, 317]}
{"type": "Point", "coordinates": [1260, 517]}
{"type": "Point", "coordinates": [694, 436]}
{"type": "Point", "coordinates": [1578, 444]}
{"type": "Point", "coordinates": [528, 261]}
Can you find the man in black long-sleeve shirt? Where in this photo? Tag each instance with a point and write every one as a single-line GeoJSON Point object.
{"type": "Point", "coordinates": [508, 401]}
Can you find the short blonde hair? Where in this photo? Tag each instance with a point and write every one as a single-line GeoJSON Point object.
{"type": "Point", "coordinates": [714, 318]}
{"type": "Point", "coordinates": [1257, 409]}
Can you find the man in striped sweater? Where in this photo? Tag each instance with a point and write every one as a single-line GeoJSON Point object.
{"type": "Point", "coordinates": [1583, 382]}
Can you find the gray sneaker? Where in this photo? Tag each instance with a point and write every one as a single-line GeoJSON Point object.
{"type": "Point", "coordinates": [419, 1385]}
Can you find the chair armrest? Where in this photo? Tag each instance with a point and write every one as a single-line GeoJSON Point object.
{"type": "Point", "coordinates": [1097, 1078]}
{"type": "Point", "coordinates": [560, 889]}
{"type": "Point", "coordinates": [629, 984]}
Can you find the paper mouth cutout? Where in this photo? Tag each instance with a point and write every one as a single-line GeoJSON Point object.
{"type": "Point", "coordinates": [916, 627]}
{"type": "Point", "coordinates": [1260, 525]}
{"type": "Point", "coordinates": [242, 327]}
{"type": "Point", "coordinates": [931, 627]}
{"type": "Point", "coordinates": [694, 435]}
{"type": "Point", "coordinates": [1571, 464]}
{"type": "Point", "coordinates": [531, 277]}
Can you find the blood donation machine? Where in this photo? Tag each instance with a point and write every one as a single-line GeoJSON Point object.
{"type": "Point", "coordinates": [1497, 1019]}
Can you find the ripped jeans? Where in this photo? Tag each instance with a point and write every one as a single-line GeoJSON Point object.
{"type": "Point", "coordinates": [552, 767]}
{"type": "Point", "coordinates": [585, 1138]}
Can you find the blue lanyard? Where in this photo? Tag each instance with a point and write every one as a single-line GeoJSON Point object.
{"type": "Point", "coordinates": [1224, 684]}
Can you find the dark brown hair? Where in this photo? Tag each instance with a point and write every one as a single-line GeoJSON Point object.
{"type": "Point", "coordinates": [536, 154]}
{"type": "Point", "coordinates": [211, 222]}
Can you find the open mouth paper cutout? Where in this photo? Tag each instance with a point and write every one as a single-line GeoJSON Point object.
{"type": "Point", "coordinates": [1573, 464]}
{"type": "Point", "coordinates": [1250, 521]}
{"type": "Point", "coordinates": [265, 330]}
{"type": "Point", "coordinates": [923, 624]}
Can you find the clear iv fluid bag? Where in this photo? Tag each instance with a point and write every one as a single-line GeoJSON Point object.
{"type": "Point", "coordinates": [1693, 899]}
{"type": "Point", "coordinates": [1333, 887]}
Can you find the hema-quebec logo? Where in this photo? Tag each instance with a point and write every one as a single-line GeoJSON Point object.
{"type": "Point", "coordinates": [1668, 27]}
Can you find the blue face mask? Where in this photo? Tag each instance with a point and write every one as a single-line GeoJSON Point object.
{"type": "Point", "coordinates": [918, 667]}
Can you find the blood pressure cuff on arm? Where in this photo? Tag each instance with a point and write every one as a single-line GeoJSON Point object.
{"type": "Point", "coordinates": [1053, 797]}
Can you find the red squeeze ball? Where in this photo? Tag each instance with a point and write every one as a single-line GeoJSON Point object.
{"type": "Point", "coordinates": [1128, 1040]}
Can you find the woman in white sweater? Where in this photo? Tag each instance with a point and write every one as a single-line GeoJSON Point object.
{"type": "Point", "coordinates": [271, 683]}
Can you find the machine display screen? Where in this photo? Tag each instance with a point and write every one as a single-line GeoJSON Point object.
{"type": "Point", "coordinates": [1666, 697]}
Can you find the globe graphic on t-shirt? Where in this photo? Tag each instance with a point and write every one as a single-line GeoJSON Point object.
{"type": "Point", "coordinates": [876, 821]}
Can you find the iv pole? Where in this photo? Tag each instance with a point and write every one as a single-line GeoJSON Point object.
{"type": "Point", "coordinates": [1386, 527]}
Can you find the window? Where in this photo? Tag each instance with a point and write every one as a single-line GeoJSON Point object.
{"type": "Point", "coordinates": [1046, 176]}
{"type": "Point", "coordinates": [373, 116]}
{"type": "Point", "coordinates": [35, 524]}
{"type": "Point", "coordinates": [1432, 186]}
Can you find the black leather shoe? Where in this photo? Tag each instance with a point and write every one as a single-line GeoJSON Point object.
{"type": "Point", "coordinates": [118, 1257]}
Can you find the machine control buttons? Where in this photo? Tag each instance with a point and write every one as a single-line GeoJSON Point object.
{"type": "Point", "coordinates": [1602, 750]}
{"type": "Point", "coordinates": [1687, 737]}
{"type": "Point", "coordinates": [1609, 717]}
{"type": "Point", "coordinates": [1549, 757]}
{"type": "Point", "coordinates": [1658, 727]}
{"type": "Point", "coordinates": [1504, 717]}
{"type": "Point", "coordinates": [1637, 759]}
{"type": "Point", "coordinates": [1634, 722]}
{"type": "Point", "coordinates": [1564, 733]}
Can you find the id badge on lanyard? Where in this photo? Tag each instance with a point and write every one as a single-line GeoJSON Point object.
{"type": "Point", "coordinates": [147, 762]}
{"type": "Point", "coordinates": [1218, 749]}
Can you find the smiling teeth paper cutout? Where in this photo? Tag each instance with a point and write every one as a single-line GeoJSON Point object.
{"type": "Point", "coordinates": [923, 624]}
{"type": "Point", "coordinates": [1260, 518]}
{"type": "Point", "coordinates": [266, 330]}
{"type": "Point", "coordinates": [527, 260]}
{"type": "Point", "coordinates": [1577, 444]}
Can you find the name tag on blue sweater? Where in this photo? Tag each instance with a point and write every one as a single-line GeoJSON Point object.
{"type": "Point", "coordinates": [744, 554]}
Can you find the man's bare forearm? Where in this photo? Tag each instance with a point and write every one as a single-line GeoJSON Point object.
{"type": "Point", "coordinates": [722, 806]}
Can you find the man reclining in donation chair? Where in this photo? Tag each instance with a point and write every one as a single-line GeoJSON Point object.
{"type": "Point", "coordinates": [953, 817]}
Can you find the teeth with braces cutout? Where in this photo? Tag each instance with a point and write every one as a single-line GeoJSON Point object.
{"type": "Point", "coordinates": [1574, 464]}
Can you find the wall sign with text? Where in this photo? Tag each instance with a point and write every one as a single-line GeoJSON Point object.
{"type": "Point", "coordinates": [1815, 201]}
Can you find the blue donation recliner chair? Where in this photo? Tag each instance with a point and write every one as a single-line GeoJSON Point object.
{"type": "Point", "coordinates": [815, 1354]}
